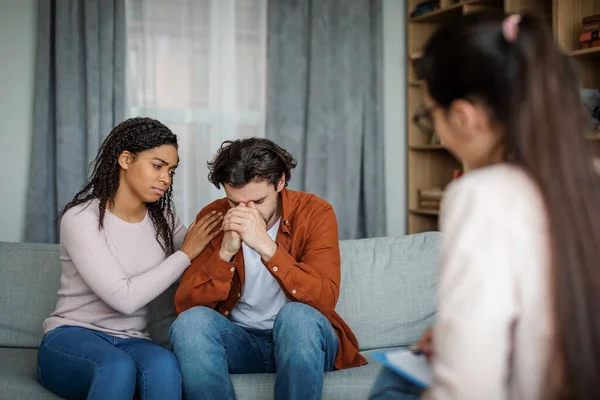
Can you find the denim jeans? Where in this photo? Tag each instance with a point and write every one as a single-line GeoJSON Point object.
{"type": "Point", "coordinates": [300, 348]}
{"type": "Point", "coordinates": [389, 385]}
{"type": "Point", "coordinates": [80, 363]}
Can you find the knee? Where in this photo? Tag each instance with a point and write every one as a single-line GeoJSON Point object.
{"type": "Point", "coordinates": [298, 318]}
{"type": "Point", "coordinates": [121, 368]}
{"type": "Point", "coordinates": [164, 368]}
{"type": "Point", "coordinates": [298, 332]}
{"type": "Point", "coordinates": [193, 325]}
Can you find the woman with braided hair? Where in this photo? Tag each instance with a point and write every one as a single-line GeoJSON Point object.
{"type": "Point", "coordinates": [121, 246]}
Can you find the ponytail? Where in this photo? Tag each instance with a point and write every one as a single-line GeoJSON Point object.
{"type": "Point", "coordinates": [515, 67]}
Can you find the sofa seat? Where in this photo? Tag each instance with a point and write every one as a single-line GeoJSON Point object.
{"type": "Point", "coordinates": [19, 380]}
{"type": "Point", "coordinates": [387, 297]}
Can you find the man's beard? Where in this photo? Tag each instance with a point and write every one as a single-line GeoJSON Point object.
{"type": "Point", "coordinates": [273, 213]}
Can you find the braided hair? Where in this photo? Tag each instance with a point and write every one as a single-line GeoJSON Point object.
{"type": "Point", "coordinates": [134, 135]}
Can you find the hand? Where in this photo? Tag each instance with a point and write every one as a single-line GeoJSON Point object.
{"type": "Point", "coordinates": [251, 227]}
{"type": "Point", "coordinates": [425, 345]}
{"type": "Point", "coordinates": [200, 233]}
{"type": "Point", "coordinates": [232, 241]}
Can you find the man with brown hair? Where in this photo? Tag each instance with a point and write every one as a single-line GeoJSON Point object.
{"type": "Point", "coordinates": [261, 296]}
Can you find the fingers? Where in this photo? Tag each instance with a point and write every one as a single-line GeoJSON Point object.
{"type": "Point", "coordinates": [235, 219]}
{"type": "Point", "coordinates": [232, 226]}
{"type": "Point", "coordinates": [242, 211]}
{"type": "Point", "coordinates": [209, 219]}
{"type": "Point", "coordinates": [206, 216]}
{"type": "Point", "coordinates": [213, 234]}
{"type": "Point", "coordinates": [215, 224]}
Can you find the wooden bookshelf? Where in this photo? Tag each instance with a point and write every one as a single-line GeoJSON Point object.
{"type": "Point", "coordinates": [431, 165]}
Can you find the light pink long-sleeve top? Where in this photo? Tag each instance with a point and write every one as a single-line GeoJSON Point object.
{"type": "Point", "coordinates": [109, 275]}
{"type": "Point", "coordinates": [492, 335]}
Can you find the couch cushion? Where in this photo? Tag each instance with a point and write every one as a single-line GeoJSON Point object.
{"type": "Point", "coordinates": [387, 293]}
{"type": "Point", "coordinates": [18, 380]}
{"type": "Point", "coordinates": [30, 277]}
{"type": "Point", "coordinates": [388, 288]}
{"type": "Point", "coordinates": [18, 376]}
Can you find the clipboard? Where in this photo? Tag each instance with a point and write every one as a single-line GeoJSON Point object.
{"type": "Point", "coordinates": [405, 363]}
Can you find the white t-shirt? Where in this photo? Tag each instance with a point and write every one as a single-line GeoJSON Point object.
{"type": "Point", "coordinates": [261, 297]}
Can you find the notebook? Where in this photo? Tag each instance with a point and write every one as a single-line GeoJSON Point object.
{"type": "Point", "coordinates": [405, 363]}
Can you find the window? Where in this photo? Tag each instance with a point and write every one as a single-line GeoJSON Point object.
{"type": "Point", "coordinates": [198, 66]}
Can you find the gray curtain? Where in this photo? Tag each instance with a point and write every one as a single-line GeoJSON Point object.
{"type": "Point", "coordinates": [325, 94]}
{"type": "Point", "coordinates": [79, 97]}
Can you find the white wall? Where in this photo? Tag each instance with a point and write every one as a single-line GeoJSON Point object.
{"type": "Point", "coordinates": [18, 36]}
{"type": "Point", "coordinates": [394, 114]}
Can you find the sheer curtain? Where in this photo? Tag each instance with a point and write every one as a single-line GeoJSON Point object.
{"type": "Point", "coordinates": [198, 66]}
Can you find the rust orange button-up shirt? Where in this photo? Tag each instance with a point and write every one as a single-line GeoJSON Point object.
{"type": "Point", "coordinates": [306, 265]}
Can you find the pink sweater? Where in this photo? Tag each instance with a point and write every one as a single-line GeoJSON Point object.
{"type": "Point", "coordinates": [110, 275]}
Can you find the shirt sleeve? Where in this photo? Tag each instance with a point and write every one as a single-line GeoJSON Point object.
{"type": "Point", "coordinates": [477, 300]}
{"type": "Point", "coordinates": [89, 251]}
{"type": "Point", "coordinates": [208, 279]}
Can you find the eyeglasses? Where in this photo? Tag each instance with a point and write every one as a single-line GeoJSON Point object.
{"type": "Point", "coordinates": [423, 119]}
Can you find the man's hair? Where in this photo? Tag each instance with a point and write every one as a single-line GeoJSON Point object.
{"type": "Point", "coordinates": [242, 161]}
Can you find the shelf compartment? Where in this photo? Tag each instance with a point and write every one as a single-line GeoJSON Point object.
{"type": "Point", "coordinates": [424, 211]}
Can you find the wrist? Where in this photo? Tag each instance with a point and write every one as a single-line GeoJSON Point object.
{"type": "Point", "coordinates": [268, 251]}
{"type": "Point", "coordinates": [226, 255]}
{"type": "Point", "coordinates": [187, 253]}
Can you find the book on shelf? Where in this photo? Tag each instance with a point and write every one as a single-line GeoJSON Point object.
{"type": "Point", "coordinates": [588, 36]}
{"type": "Point", "coordinates": [590, 32]}
{"type": "Point", "coordinates": [429, 204]}
{"type": "Point", "coordinates": [590, 44]}
{"type": "Point", "coordinates": [429, 198]}
{"type": "Point", "coordinates": [590, 19]}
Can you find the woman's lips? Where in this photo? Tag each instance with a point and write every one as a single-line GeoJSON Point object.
{"type": "Point", "coordinates": [158, 191]}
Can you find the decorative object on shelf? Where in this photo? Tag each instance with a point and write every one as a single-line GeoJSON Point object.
{"type": "Point", "coordinates": [591, 102]}
{"type": "Point", "coordinates": [430, 198]}
{"type": "Point", "coordinates": [425, 7]}
{"type": "Point", "coordinates": [434, 139]}
{"type": "Point", "coordinates": [590, 32]}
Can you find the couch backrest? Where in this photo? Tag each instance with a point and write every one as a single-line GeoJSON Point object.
{"type": "Point", "coordinates": [388, 289]}
{"type": "Point", "coordinates": [29, 279]}
{"type": "Point", "coordinates": [387, 293]}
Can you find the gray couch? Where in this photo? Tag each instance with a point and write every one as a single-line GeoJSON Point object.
{"type": "Point", "coordinates": [387, 298]}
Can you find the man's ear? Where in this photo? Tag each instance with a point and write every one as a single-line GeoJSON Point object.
{"type": "Point", "coordinates": [124, 159]}
{"type": "Point", "coordinates": [280, 183]}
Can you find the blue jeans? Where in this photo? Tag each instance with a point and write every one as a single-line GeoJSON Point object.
{"type": "Point", "coordinates": [80, 363]}
{"type": "Point", "coordinates": [389, 385]}
{"type": "Point", "coordinates": [300, 348]}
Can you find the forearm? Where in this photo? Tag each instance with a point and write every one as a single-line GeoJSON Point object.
{"type": "Point", "coordinates": [206, 282]}
{"type": "Point", "coordinates": [315, 285]}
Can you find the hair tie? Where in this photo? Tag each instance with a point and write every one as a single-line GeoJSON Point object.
{"type": "Point", "coordinates": [510, 27]}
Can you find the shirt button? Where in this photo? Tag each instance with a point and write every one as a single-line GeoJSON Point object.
{"type": "Point", "coordinates": [275, 269]}
{"type": "Point", "coordinates": [294, 291]}
{"type": "Point", "coordinates": [226, 313]}
{"type": "Point", "coordinates": [232, 269]}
